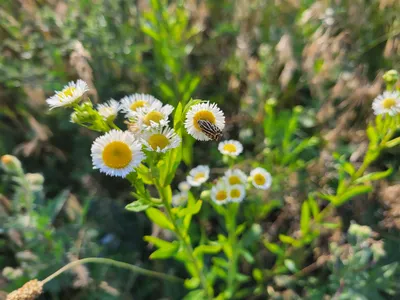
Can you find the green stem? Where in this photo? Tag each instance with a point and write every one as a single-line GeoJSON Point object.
{"type": "Point", "coordinates": [108, 261]}
{"type": "Point", "coordinates": [187, 246]}
{"type": "Point", "coordinates": [230, 219]}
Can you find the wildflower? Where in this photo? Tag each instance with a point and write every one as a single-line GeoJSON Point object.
{"type": "Point", "coordinates": [108, 110]}
{"type": "Point", "coordinates": [235, 176]}
{"type": "Point", "coordinates": [237, 193]}
{"type": "Point", "coordinates": [198, 175]}
{"type": "Point", "coordinates": [71, 94]}
{"type": "Point", "coordinates": [116, 153]}
{"type": "Point", "coordinates": [261, 178]}
{"type": "Point", "coordinates": [179, 199]}
{"type": "Point", "coordinates": [131, 103]}
{"type": "Point", "coordinates": [231, 148]}
{"type": "Point", "coordinates": [207, 112]}
{"type": "Point", "coordinates": [29, 291]}
{"type": "Point", "coordinates": [184, 186]}
{"type": "Point", "coordinates": [387, 103]}
{"type": "Point", "coordinates": [220, 193]}
{"type": "Point", "coordinates": [161, 139]}
{"type": "Point", "coordinates": [153, 116]}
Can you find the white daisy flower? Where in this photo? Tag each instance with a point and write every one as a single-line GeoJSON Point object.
{"type": "Point", "coordinates": [231, 148]}
{"type": "Point", "coordinates": [153, 116]}
{"type": "Point", "coordinates": [220, 193]}
{"type": "Point", "coordinates": [71, 94]}
{"type": "Point", "coordinates": [387, 103]}
{"type": "Point", "coordinates": [203, 111]}
{"type": "Point", "coordinates": [184, 186]}
{"type": "Point", "coordinates": [198, 175]}
{"type": "Point", "coordinates": [132, 103]}
{"type": "Point", "coordinates": [235, 176]}
{"type": "Point", "coordinates": [237, 192]}
{"type": "Point", "coordinates": [108, 110]}
{"type": "Point", "coordinates": [179, 199]}
{"type": "Point", "coordinates": [116, 153]}
{"type": "Point", "coordinates": [160, 139]}
{"type": "Point", "coordinates": [261, 178]}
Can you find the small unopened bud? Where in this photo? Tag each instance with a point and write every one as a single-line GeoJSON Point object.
{"type": "Point", "coordinates": [391, 77]}
{"type": "Point", "coordinates": [35, 180]}
{"type": "Point", "coordinates": [272, 102]}
{"type": "Point", "coordinates": [74, 118]}
{"type": "Point", "coordinates": [11, 164]}
{"type": "Point", "coordinates": [360, 231]}
{"type": "Point", "coordinates": [29, 291]}
{"type": "Point", "coordinates": [298, 109]}
{"type": "Point", "coordinates": [205, 195]}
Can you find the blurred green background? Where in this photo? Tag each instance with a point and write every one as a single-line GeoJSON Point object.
{"type": "Point", "coordinates": [326, 56]}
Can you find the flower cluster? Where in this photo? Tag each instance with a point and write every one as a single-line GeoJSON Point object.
{"type": "Point", "coordinates": [118, 152]}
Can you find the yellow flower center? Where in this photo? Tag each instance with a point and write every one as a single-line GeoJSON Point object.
{"type": "Point", "coordinates": [235, 193]}
{"type": "Point", "coordinates": [154, 116]}
{"type": "Point", "coordinates": [68, 92]}
{"type": "Point", "coordinates": [259, 179]}
{"type": "Point", "coordinates": [231, 148]}
{"type": "Point", "coordinates": [138, 104]}
{"type": "Point", "coordinates": [388, 103]}
{"type": "Point", "coordinates": [199, 176]}
{"type": "Point", "coordinates": [158, 140]}
{"type": "Point", "coordinates": [234, 180]}
{"type": "Point", "coordinates": [221, 195]}
{"type": "Point", "coordinates": [117, 155]}
{"type": "Point", "coordinates": [203, 115]}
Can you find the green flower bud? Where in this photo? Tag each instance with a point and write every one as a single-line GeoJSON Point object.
{"type": "Point", "coordinates": [205, 195]}
{"type": "Point", "coordinates": [360, 231]}
{"type": "Point", "coordinates": [391, 77]}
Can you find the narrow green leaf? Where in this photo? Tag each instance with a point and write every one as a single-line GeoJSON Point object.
{"type": "Point", "coordinates": [274, 248]}
{"type": "Point", "coordinates": [137, 206]}
{"type": "Point", "coordinates": [159, 218]}
{"type": "Point", "coordinates": [289, 240]}
{"type": "Point", "coordinates": [374, 176]}
{"type": "Point", "coordinates": [165, 252]}
{"type": "Point", "coordinates": [351, 193]}
{"type": "Point", "coordinates": [392, 143]}
{"type": "Point", "coordinates": [305, 218]}
{"type": "Point", "coordinates": [313, 206]}
{"type": "Point", "coordinates": [349, 168]}
{"type": "Point", "coordinates": [207, 249]}
{"type": "Point", "coordinates": [156, 241]}
{"type": "Point", "coordinates": [290, 265]}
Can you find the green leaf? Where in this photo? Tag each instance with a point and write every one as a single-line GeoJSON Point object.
{"type": "Point", "coordinates": [159, 218]}
{"type": "Point", "coordinates": [194, 295]}
{"type": "Point", "coordinates": [257, 275]}
{"type": "Point", "coordinates": [156, 241]}
{"type": "Point", "coordinates": [247, 256]}
{"type": "Point", "coordinates": [372, 135]}
{"type": "Point", "coordinates": [207, 249]}
{"type": "Point", "coordinates": [137, 206]}
{"type": "Point", "coordinates": [290, 265]}
{"type": "Point", "coordinates": [313, 206]}
{"type": "Point", "coordinates": [305, 218]}
{"type": "Point", "coordinates": [349, 168]}
{"type": "Point", "coordinates": [274, 248]}
{"type": "Point", "coordinates": [374, 176]}
{"type": "Point", "coordinates": [165, 252]}
{"type": "Point", "coordinates": [192, 283]}
{"type": "Point", "coordinates": [289, 240]}
{"type": "Point", "coordinates": [351, 193]}
{"type": "Point", "coordinates": [178, 115]}
{"type": "Point", "coordinates": [392, 143]}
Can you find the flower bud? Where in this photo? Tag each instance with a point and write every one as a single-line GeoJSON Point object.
{"type": "Point", "coordinates": [11, 164]}
{"type": "Point", "coordinates": [391, 77]}
{"type": "Point", "coordinates": [205, 195]}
